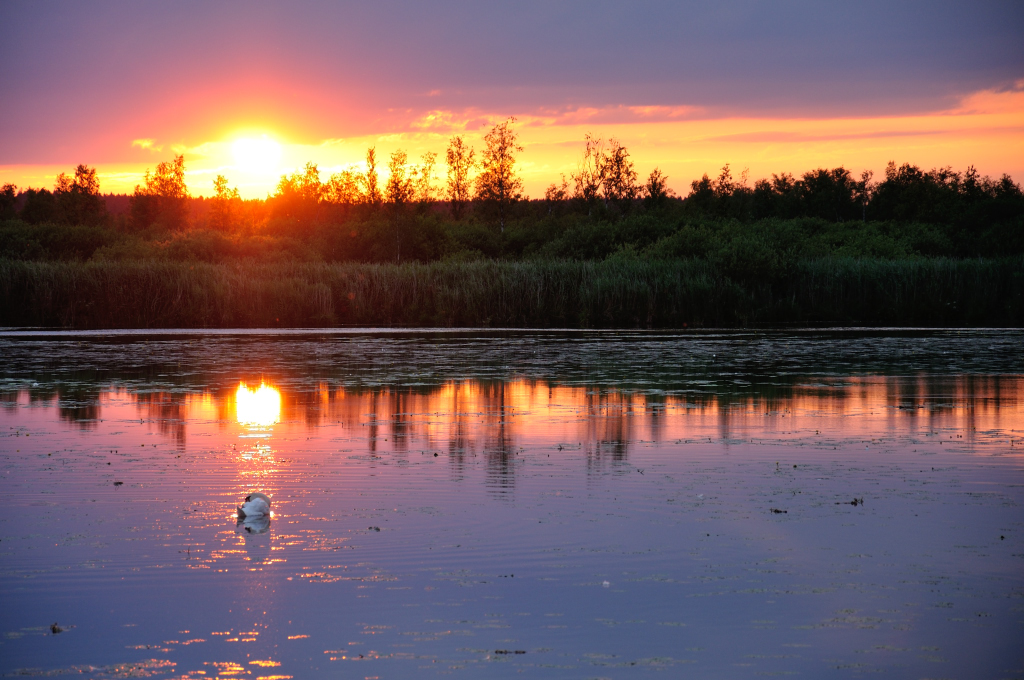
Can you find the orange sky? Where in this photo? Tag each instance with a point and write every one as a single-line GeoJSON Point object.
{"type": "Point", "coordinates": [985, 129]}
{"type": "Point", "coordinates": [687, 86]}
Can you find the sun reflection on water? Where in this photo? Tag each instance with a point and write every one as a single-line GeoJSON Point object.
{"type": "Point", "coordinates": [260, 407]}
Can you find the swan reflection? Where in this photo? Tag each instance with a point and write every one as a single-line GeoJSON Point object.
{"type": "Point", "coordinates": [254, 525]}
{"type": "Point", "coordinates": [254, 537]}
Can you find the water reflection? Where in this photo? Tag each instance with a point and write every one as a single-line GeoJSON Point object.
{"type": "Point", "coordinates": [255, 525]}
{"type": "Point", "coordinates": [257, 408]}
{"type": "Point", "coordinates": [575, 515]}
{"type": "Point", "coordinates": [497, 419]}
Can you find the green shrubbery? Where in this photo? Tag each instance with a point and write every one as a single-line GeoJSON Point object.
{"type": "Point", "coordinates": [930, 248]}
{"type": "Point", "coordinates": [758, 248]}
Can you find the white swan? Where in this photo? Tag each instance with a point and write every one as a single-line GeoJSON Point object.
{"type": "Point", "coordinates": [255, 505]}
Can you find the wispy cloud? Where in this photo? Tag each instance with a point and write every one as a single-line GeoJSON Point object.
{"type": "Point", "coordinates": [793, 137]}
{"type": "Point", "coordinates": [468, 120]}
{"type": "Point", "coordinates": [147, 144]}
{"type": "Point", "coordinates": [1005, 100]}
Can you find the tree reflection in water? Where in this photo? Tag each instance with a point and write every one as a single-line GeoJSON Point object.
{"type": "Point", "coordinates": [499, 419]}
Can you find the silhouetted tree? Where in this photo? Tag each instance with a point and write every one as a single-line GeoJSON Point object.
{"type": "Point", "coordinates": [343, 188]}
{"type": "Point", "coordinates": [371, 182]}
{"type": "Point", "coordinates": [724, 196]}
{"type": "Point", "coordinates": [702, 195]}
{"type": "Point", "coordinates": [787, 195]}
{"type": "Point", "coordinates": [399, 191]}
{"type": "Point", "coordinates": [725, 185]}
{"type": "Point", "coordinates": [498, 185]}
{"type": "Point", "coordinates": [459, 158]}
{"type": "Point", "coordinates": [161, 199]}
{"type": "Point", "coordinates": [39, 206]}
{"type": "Point", "coordinates": [401, 185]}
{"type": "Point", "coordinates": [76, 200]}
{"type": "Point", "coordinates": [829, 194]}
{"type": "Point", "coordinates": [982, 216]}
{"type": "Point", "coordinates": [8, 198]}
{"type": "Point", "coordinates": [556, 194]}
{"type": "Point", "coordinates": [298, 196]}
{"type": "Point", "coordinates": [589, 175]}
{"type": "Point", "coordinates": [305, 184]}
{"type": "Point", "coordinates": [225, 206]}
{"type": "Point", "coordinates": [425, 179]}
{"type": "Point", "coordinates": [656, 191]}
{"type": "Point", "coordinates": [908, 194]}
{"type": "Point", "coordinates": [618, 179]}
{"type": "Point", "coordinates": [764, 199]}
{"type": "Point", "coordinates": [863, 190]}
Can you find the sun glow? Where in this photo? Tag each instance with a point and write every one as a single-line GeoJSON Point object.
{"type": "Point", "coordinates": [985, 129]}
{"type": "Point", "coordinates": [257, 155]}
{"type": "Point", "coordinates": [260, 407]}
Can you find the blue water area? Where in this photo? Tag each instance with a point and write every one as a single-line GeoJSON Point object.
{"type": "Point", "coordinates": [506, 503]}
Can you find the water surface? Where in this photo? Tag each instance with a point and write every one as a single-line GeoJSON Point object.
{"type": "Point", "coordinates": [497, 504]}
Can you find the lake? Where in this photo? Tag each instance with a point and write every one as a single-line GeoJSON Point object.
{"type": "Point", "coordinates": [506, 504]}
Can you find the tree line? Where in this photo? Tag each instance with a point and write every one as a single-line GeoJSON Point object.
{"type": "Point", "coordinates": [477, 209]}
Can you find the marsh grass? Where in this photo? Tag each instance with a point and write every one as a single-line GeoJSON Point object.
{"type": "Point", "coordinates": [543, 293]}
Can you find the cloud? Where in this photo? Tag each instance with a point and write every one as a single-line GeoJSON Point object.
{"type": "Point", "coordinates": [794, 137]}
{"type": "Point", "coordinates": [454, 122]}
{"type": "Point", "coordinates": [472, 119]}
{"type": "Point", "coordinates": [147, 144]}
{"type": "Point", "coordinates": [318, 70]}
{"type": "Point", "coordinates": [1009, 99]}
{"type": "Point", "coordinates": [205, 149]}
{"type": "Point", "coordinates": [984, 128]}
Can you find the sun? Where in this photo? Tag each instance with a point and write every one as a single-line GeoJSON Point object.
{"type": "Point", "coordinates": [257, 155]}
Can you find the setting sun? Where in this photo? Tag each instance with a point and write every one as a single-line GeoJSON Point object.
{"type": "Point", "coordinates": [261, 155]}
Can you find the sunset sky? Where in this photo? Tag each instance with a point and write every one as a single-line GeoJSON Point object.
{"type": "Point", "coordinates": [686, 86]}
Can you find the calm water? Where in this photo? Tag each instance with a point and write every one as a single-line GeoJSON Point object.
{"type": "Point", "coordinates": [471, 504]}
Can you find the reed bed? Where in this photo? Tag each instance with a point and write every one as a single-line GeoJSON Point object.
{"type": "Point", "coordinates": [579, 294]}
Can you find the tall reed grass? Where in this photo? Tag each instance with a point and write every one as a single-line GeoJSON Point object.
{"type": "Point", "coordinates": [612, 293]}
